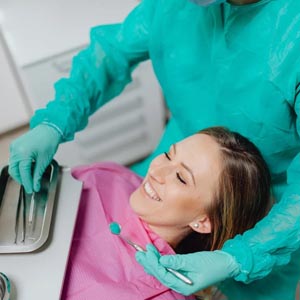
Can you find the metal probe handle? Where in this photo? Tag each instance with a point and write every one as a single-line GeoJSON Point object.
{"type": "Point", "coordinates": [174, 272]}
{"type": "Point", "coordinates": [180, 276]}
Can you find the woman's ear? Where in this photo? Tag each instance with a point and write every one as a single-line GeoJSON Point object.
{"type": "Point", "coordinates": [201, 225]}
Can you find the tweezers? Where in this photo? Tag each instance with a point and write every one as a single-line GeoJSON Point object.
{"type": "Point", "coordinates": [31, 209]}
{"type": "Point", "coordinates": [21, 205]}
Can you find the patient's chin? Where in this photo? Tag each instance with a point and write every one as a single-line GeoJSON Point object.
{"type": "Point", "coordinates": [134, 200]}
{"type": "Point", "coordinates": [139, 203]}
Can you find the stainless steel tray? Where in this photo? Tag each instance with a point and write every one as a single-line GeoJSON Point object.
{"type": "Point", "coordinates": [25, 218]}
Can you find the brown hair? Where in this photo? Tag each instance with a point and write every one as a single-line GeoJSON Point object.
{"type": "Point", "coordinates": [243, 193]}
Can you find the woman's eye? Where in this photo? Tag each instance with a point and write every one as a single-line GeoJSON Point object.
{"type": "Point", "coordinates": [167, 155]}
{"type": "Point", "coordinates": [180, 178]}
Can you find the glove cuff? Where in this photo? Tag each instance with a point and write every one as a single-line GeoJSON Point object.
{"type": "Point", "coordinates": [57, 132]}
{"type": "Point", "coordinates": [56, 128]}
{"type": "Point", "coordinates": [242, 254]}
{"type": "Point", "coordinates": [53, 130]}
{"type": "Point", "coordinates": [57, 116]}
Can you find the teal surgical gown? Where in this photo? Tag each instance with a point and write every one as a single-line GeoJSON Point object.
{"type": "Point", "coordinates": [228, 65]}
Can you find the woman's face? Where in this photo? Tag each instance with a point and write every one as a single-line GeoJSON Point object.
{"type": "Point", "coordinates": [179, 184]}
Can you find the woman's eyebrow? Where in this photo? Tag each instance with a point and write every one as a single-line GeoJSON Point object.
{"type": "Point", "coordinates": [184, 165]}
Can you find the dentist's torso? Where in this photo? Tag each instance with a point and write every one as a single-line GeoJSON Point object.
{"type": "Point", "coordinates": [235, 66]}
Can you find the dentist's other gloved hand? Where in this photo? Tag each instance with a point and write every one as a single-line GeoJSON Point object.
{"type": "Point", "coordinates": [39, 145]}
{"type": "Point", "coordinates": [203, 268]}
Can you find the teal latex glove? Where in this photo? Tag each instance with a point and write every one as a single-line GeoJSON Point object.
{"type": "Point", "coordinates": [203, 268]}
{"type": "Point", "coordinates": [39, 145]}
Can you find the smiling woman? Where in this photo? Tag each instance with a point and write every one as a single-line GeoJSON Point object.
{"type": "Point", "coordinates": [206, 189]}
{"type": "Point", "coordinates": [214, 184]}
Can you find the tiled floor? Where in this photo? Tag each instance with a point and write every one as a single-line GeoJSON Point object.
{"type": "Point", "coordinates": [6, 139]}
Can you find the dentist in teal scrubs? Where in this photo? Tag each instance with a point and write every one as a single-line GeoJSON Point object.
{"type": "Point", "coordinates": [233, 64]}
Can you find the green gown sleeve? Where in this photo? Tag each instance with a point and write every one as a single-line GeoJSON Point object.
{"type": "Point", "coordinates": [273, 240]}
{"type": "Point", "coordinates": [99, 73]}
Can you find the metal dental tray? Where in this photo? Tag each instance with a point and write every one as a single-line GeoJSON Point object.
{"type": "Point", "coordinates": [25, 218]}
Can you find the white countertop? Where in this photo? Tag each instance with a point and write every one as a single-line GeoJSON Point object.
{"type": "Point", "coordinates": [36, 29]}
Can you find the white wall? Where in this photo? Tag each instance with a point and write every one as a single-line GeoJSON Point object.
{"type": "Point", "coordinates": [14, 107]}
{"type": "Point", "coordinates": [36, 29]}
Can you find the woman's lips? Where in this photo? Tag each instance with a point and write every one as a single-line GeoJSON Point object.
{"type": "Point", "coordinates": [148, 189]}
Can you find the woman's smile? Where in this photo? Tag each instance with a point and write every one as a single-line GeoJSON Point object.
{"type": "Point", "coordinates": [150, 192]}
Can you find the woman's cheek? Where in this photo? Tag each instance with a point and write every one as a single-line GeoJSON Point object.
{"type": "Point", "coordinates": [172, 193]}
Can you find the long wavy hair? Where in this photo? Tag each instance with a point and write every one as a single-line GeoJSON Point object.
{"type": "Point", "coordinates": [243, 194]}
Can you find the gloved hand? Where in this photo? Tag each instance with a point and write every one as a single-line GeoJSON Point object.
{"type": "Point", "coordinates": [40, 145]}
{"type": "Point", "coordinates": [203, 268]}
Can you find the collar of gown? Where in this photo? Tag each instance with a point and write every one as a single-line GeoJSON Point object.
{"type": "Point", "coordinates": [247, 6]}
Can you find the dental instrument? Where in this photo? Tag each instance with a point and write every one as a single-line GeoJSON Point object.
{"type": "Point", "coordinates": [115, 228]}
{"type": "Point", "coordinates": [31, 208]}
{"type": "Point", "coordinates": [31, 216]}
{"type": "Point", "coordinates": [20, 206]}
{"type": "Point", "coordinates": [24, 214]}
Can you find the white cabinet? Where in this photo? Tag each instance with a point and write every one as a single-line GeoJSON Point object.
{"type": "Point", "coordinates": [124, 130]}
{"type": "Point", "coordinates": [14, 109]}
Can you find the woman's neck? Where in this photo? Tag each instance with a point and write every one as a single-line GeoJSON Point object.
{"type": "Point", "coordinates": [170, 234]}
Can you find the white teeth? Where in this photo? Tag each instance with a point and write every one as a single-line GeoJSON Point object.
{"type": "Point", "coordinates": [151, 192]}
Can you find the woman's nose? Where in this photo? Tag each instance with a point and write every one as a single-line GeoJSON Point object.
{"type": "Point", "coordinates": [160, 172]}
